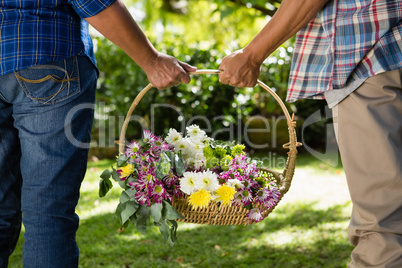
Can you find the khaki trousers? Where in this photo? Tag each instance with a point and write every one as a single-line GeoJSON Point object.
{"type": "Point", "coordinates": [368, 126]}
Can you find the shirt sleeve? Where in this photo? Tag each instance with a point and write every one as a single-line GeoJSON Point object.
{"type": "Point", "coordinates": [89, 8]}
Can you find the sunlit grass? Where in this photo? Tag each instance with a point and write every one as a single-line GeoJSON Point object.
{"type": "Point", "coordinates": [303, 233]}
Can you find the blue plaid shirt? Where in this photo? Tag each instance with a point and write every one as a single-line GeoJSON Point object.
{"type": "Point", "coordinates": [347, 42]}
{"type": "Point", "coordinates": [34, 32]}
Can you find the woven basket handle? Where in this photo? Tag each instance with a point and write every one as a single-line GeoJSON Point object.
{"type": "Point", "coordinates": [285, 177]}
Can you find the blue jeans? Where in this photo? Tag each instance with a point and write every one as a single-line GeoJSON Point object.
{"type": "Point", "coordinates": [46, 115]}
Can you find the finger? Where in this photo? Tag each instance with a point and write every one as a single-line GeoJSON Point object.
{"type": "Point", "coordinates": [220, 75]}
{"type": "Point", "coordinates": [242, 84]}
{"type": "Point", "coordinates": [187, 67]}
{"type": "Point", "coordinates": [223, 77]}
{"type": "Point", "coordinates": [234, 83]}
{"type": "Point", "coordinates": [184, 76]}
{"type": "Point", "coordinates": [226, 82]}
{"type": "Point", "coordinates": [181, 74]}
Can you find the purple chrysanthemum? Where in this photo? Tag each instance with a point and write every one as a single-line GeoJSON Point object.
{"type": "Point", "coordinates": [255, 215]}
{"type": "Point", "coordinates": [273, 199]}
{"type": "Point", "coordinates": [148, 188]}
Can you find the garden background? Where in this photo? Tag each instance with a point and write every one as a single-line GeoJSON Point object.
{"type": "Point", "coordinates": [309, 226]}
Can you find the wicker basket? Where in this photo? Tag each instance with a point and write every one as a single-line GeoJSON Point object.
{"type": "Point", "coordinates": [215, 214]}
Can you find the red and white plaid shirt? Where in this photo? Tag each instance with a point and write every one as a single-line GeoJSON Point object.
{"type": "Point", "coordinates": [348, 40]}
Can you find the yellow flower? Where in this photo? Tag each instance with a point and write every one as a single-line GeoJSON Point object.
{"type": "Point", "coordinates": [225, 194]}
{"type": "Point", "coordinates": [126, 170]}
{"type": "Point", "coordinates": [201, 199]}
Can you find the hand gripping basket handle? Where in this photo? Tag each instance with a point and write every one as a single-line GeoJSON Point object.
{"type": "Point", "coordinates": [283, 179]}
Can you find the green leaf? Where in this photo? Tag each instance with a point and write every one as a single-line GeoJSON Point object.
{"type": "Point", "coordinates": [130, 208]}
{"type": "Point", "coordinates": [171, 243]}
{"type": "Point", "coordinates": [164, 229]}
{"type": "Point", "coordinates": [124, 197]}
{"type": "Point", "coordinates": [143, 212]}
{"type": "Point", "coordinates": [170, 155]}
{"type": "Point", "coordinates": [125, 225]}
{"type": "Point", "coordinates": [122, 160]}
{"type": "Point", "coordinates": [180, 169]}
{"type": "Point", "coordinates": [123, 185]}
{"type": "Point", "coordinates": [169, 212]}
{"type": "Point", "coordinates": [173, 230]}
{"type": "Point", "coordinates": [156, 211]}
{"type": "Point", "coordinates": [142, 224]}
{"type": "Point", "coordinates": [127, 195]}
{"type": "Point", "coordinates": [106, 174]}
{"type": "Point", "coordinates": [162, 166]}
{"type": "Point", "coordinates": [133, 219]}
{"type": "Point", "coordinates": [119, 209]}
{"type": "Point", "coordinates": [104, 187]}
{"type": "Point", "coordinates": [115, 176]}
{"type": "Point", "coordinates": [131, 193]}
{"type": "Point", "coordinates": [105, 184]}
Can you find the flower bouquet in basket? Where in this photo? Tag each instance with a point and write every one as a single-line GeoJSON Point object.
{"type": "Point", "coordinates": [205, 175]}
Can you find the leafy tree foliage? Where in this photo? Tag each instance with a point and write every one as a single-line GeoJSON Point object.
{"type": "Point", "coordinates": [200, 33]}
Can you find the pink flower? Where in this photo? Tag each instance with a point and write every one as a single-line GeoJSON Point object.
{"type": "Point", "coordinates": [148, 136]}
{"type": "Point", "coordinates": [141, 184]}
{"type": "Point", "coordinates": [255, 215]}
{"type": "Point", "coordinates": [262, 195]}
{"type": "Point", "coordinates": [171, 179]}
{"type": "Point", "coordinates": [158, 192]}
{"type": "Point", "coordinates": [237, 199]}
{"type": "Point", "coordinates": [242, 197]}
{"type": "Point", "coordinates": [132, 149]}
{"type": "Point", "coordinates": [142, 198]}
{"type": "Point", "coordinates": [273, 199]}
{"type": "Point", "coordinates": [247, 196]}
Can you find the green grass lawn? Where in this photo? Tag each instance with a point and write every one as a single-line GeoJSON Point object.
{"type": "Point", "coordinates": [309, 232]}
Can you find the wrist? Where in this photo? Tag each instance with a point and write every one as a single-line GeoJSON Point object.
{"type": "Point", "coordinates": [148, 59]}
{"type": "Point", "coordinates": [254, 55]}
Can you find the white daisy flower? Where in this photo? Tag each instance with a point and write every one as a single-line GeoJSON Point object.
{"type": "Point", "coordinates": [188, 183]}
{"type": "Point", "coordinates": [207, 180]}
{"type": "Point", "coordinates": [197, 145]}
{"type": "Point", "coordinates": [189, 161]}
{"type": "Point", "coordinates": [206, 139]}
{"type": "Point", "coordinates": [183, 146]}
{"type": "Point", "coordinates": [193, 130]}
{"type": "Point", "coordinates": [199, 162]}
{"type": "Point", "coordinates": [195, 133]}
{"type": "Point", "coordinates": [173, 137]}
{"type": "Point", "coordinates": [235, 183]}
{"type": "Point", "coordinates": [198, 154]}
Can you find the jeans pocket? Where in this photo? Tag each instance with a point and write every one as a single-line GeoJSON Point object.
{"type": "Point", "coordinates": [52, 82]}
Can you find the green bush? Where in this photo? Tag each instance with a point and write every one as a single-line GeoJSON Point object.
{"type": "Point", "coordinates": [220, 109]}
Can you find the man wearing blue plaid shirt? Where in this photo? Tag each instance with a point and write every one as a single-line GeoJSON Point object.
{"type": "Point", "coordinates": [47, 91]}
{"type": "Point", "coordinates": [350, 53]}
